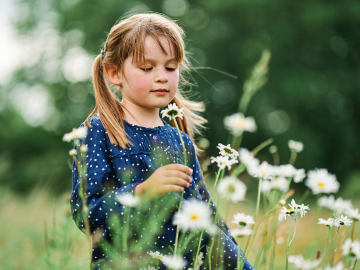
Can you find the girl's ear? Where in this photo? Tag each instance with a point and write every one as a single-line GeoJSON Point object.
{"type": "Point", "coordinates": [113, 75]}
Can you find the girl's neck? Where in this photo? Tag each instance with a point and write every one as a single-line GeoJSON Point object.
{"type": "Point", "coordinates": [141, 116]}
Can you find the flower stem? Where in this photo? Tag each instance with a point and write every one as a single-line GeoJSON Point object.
{"type": "Point", "coordinates": [327, 241]}
{"type": "Point", "coordinates": [332, 244]}
{"type": "Point", "coordinates": [287, 246]}
{"type": "Point", "coordinates": [258, 200]}
{"type": "Point", "coordinates": [292, 157]}
{"type": "Point", "coordinates": [352, 231]}
{"type": "Point", "coordinates": [239, 260]}
{"type": "Point", "coordinates": [182, 193]}
{"type": "Point", "coordinates": [182, 142]}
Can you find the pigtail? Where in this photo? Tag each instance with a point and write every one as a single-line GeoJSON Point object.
{"type": "Point", "coordinates": [191, 122]}
{"type": "Point", "coordinates": [109, 108]}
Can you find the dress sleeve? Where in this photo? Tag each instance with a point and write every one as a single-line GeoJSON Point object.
{"type": "Point", "coordinates": [103, 184]}
{"type": "Point", "coordinates": [205, 194]}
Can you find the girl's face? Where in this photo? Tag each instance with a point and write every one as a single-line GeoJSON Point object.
{"type": "Point", "coordinates": [151, 84]}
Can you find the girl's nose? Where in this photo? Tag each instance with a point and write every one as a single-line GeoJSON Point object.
{"type": "Point", "coordinates": [161, 76]}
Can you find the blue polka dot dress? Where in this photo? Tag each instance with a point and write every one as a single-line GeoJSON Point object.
{"type": "Point", "coordinates": [113, 170]}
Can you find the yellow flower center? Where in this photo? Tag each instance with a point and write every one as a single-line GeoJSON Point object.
{"type": "Point", "coordinates": [240, 123]}
{"type": "Point", "coordinates": [194, 217]}
{"type": "Point", "coordinates": [262, 171]}
{"type": "Point", "coordinates": [320, 184]}
{"type": "Point", "coordinates": [159, 257]}
{"type": "Point", "coordinates": [73, 133]}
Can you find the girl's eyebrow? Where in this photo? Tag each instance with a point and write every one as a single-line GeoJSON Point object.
{"type": "Point", "coordinates": [153, 60]}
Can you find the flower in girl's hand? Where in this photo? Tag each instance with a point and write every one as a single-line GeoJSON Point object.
{"type": "Point", "coordinates": [172, 111]}
{"type": "Point", "coordinates": [223, 162]}
{"type": "Point", "coordinates": [241, 232]}
{"type": "Point", "coordinates": [76, 133]}
{"type": "Point", "coordinates": [238, 123]}
{"type": "Point", "coordinates": [243, 220]}
{"type": "Point", "coordinates": [128, 199]}
{"type": "Point", "coordinates": [232, 189]}
{"type": "Point", "coordinates": [174, 262]}
{"type": "Point", "coordinates": [227, 151]}
{"type": "Point", "coordinates": [320, 181]}
{"type": "Point", "coordinates": [193, 215]}
{"type": "Point", "coordinates": [72, 152]}
{"type": "Point", "coordinates": [157, 255]}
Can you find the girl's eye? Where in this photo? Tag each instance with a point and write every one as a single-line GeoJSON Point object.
{"type": "Point", "coordinates": [170, 69]}
{"type": "Point", "coordinates": [146, 69]}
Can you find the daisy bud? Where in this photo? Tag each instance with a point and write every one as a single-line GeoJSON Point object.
{"type": "Point", "coordinates": [84, 149]}
{"type": "Point", "coordinates": [72, 152]}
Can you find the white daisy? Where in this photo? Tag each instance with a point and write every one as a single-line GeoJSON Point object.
{"type": "Point", "coordinates": [243, 220]}
{"type": "Point", "coordinates": [174, 262]}
{"type": "Point", "coordinates": [286, 212]}
{"type": "Point", "coordinates": [320, 181]}
{"type": "Point", "coordinates": [223, 162]}
{"type": "Point", "coordinates": [172, 111]}
{"type": "Point", "coordinates": [76, 133]}
{"type": "Point", "coordinates": [237, 124]}
{"type": "Point", "coordinates": [157, 255]}
{"type": "Point", "coordinates": [279, 183]}
{"type": "Point", "coordinates": [265, 171]}
{"type": "Point", "coordinates": [339, 266]}
{"type": "Point", "coordinates": [128, 199]}
{"type": "Point", "coordinates": [299, 262]}
{"type": "Point", "coordinates": [72, 152]}
{"type": "Point", "coordinates": [193, 215]}
{"type": "Point", "coordinates": [241, 232]}
{"type": "Point", "coordinates": [287, 170]}
{"type": "Point", "coordinates": [247, 158]}
{"type": "Point", "coordinates": [351, 248]}
{"type": "Point", "coordinates": [299, 208]}
{"type": "Point", "coordinates": [329, 222]}
{"type": "Point", "coordinates": [299, 175]}
{"type": "Point", "coordinates": [227, 151]}
{"type": "Point", "coordinates": [339, 205]}
{"type": "Point", "coordinates": [232, 188]}
{"type": "Point", "coordinates": [353, 213]}
{"type": "Point", "coordinates": [342, 220]}
{"type": "Point", "coordinates": [295, 146]}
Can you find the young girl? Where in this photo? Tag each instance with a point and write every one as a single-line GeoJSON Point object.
{"type": "Point", "coordinates": [130, 148]}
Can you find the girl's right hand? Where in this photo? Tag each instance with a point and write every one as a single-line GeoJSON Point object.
{"type": "Point", "coordinates": [172, 177]}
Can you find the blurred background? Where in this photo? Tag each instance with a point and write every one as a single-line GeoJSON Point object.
{"type": "Point", "coordinates": [312, 95]}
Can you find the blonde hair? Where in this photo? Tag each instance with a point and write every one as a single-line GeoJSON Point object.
{"type": "Point", "coordinates": [125, 39]}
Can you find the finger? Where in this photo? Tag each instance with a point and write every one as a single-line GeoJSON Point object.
{"type": "Point", "coordinates": [179, 167]}
{"type": "Point", "coordinates": [178, 174]}
{"type": "Point", "coordinates": [176, 181]}
{"type": "Point", "coordinates": [171, 188]}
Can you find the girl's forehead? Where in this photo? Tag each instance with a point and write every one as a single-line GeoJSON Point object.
{"type": "Point", "coordinates": [153, 50]}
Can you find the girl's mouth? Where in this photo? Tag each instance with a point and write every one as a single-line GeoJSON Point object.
{"type": "Point", "coordinates": [160, 91]}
